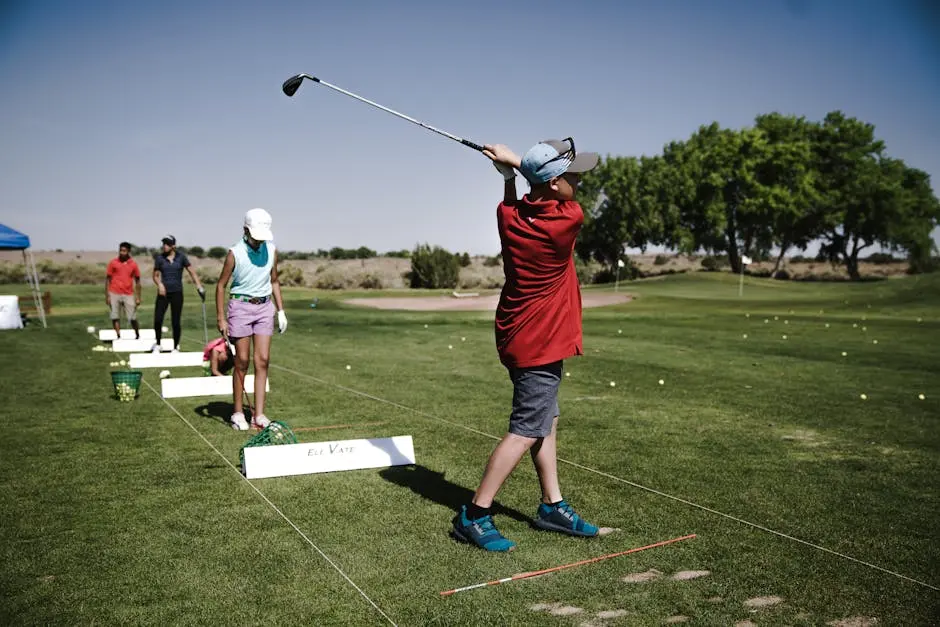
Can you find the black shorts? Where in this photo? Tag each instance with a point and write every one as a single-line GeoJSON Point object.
{"type": "Point", "coordinates": [534, 399]}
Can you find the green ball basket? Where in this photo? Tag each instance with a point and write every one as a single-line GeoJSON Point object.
{"type": "Point", "coordinates": [126, 384]}
{"type": "Point", "coordinates": [275, 433]}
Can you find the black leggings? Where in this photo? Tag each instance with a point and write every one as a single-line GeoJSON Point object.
{"type": "Point", "coordinates": [175, 302]}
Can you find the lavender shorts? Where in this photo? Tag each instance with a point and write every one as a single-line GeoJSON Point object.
{"type": "Point", "coordinates": [245, 319]}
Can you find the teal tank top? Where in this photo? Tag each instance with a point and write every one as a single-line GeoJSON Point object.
{"type": "Point", "coordinates": [252, 273]}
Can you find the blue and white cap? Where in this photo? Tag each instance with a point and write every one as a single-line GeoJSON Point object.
{"type": "Point", "coordinates": [552, 158]}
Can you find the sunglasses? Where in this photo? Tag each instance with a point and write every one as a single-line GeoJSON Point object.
{"type": "Point", "coordinates": [569, 154]}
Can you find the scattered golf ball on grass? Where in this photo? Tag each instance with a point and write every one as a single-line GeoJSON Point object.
{"type": "Point", "coordinates": [164, 374]}
{"type": "Point", "coordinates": [619, 331]}
{"type": "Point", "coordinates": [921, 396]}
{"type": "Point", "coordinates": [864, 397]}
{"type": "Point", "coordinates": [784, 337]}
{"type": "Point", "coordinates": [744, 336]}
{"type": "Point", "coordinates": [463, 339]}
{"type": "Point", "coordinates": [450, 347]}
{"type": "Point", "coordinates": [844, 354]}
{"type": "Point", "coordinates": [348, 367]}
{"type": "Point", "coordinates": [91, 329]}
{"type": "Point", "coordinates": [874, 341]}
{"type": "Point", "coordinates": [122, 363]}
{"type": "Point", "coordinates": [661, 382]}
{"type": "Point", "coordinates": [613, 384]}
{"type": "Point", "coordinates": [567, 374]}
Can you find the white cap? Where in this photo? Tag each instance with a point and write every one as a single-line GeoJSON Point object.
{"type": "Point", "coordinates": [258, 223]}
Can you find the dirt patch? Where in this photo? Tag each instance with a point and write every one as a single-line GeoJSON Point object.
{"type": "Point", "coordinates": [674, 620]}
{"type": "Point", "coordinates": [608, 614]}
{"type": "Point", "coordinates": [649, 575]}
{"type": "Point", "coordinates": [761, 602]}
{"type": "Point", "coordinates": [474, 303]}
{"type": "Point", "coordinates": [854, 621]}
{"type": "Point", "coordinates": [565, 610]}
{"type": "Point", "coordinates": [686, 575]}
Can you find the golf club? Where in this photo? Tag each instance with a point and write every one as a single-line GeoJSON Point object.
{"type": "Point", "coordinates": [205, 325]}
{"type": "Point", "coordinates": [292, 84]}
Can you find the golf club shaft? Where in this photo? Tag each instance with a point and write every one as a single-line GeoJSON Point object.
{"type": "Point", "coordinates": [205, 325]}
{"type": "Point", "coordinates": [291, 85]}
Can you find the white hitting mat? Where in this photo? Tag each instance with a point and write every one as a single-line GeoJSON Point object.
{"type": "Point", "coordinates": [108, 335]}
{"type": "Point", "coordinates": [283, 460]}
{"type": "Point", "coordinates": [205, 386]}
{"type": "Point", "coordinates": [140, 346]}
{"type": "Point", "coordinates": [165, 360]}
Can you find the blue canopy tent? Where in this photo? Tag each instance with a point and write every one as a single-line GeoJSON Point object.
{"type": "Point", "coordinates": [11, 239]}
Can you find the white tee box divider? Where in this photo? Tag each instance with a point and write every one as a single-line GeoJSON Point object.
{"type": "Point", "coordinates": [283, 460]}
{"type": "Point", "coordinates": [165, 360]}
{"type": "Point", "coordinates": [140, 346]}
{"type": "Point", "coordinates": [205, 386]}
{"type": "Point", "coordinates": [108, 335]}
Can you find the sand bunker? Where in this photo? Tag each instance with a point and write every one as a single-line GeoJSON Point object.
{"type": "Point", "coordinates": [473, 303]}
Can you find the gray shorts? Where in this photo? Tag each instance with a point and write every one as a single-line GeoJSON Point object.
{"type": "Point", "coordinates": [534, 399]}
{"type": "Point", "coordinates": [127, 302]}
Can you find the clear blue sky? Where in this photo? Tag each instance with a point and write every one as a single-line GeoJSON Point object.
{"type": "Point", "coordinates": [127, 120]}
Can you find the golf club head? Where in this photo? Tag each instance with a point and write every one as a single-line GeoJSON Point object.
{"type": "Point", "coordinates": [292, 84]}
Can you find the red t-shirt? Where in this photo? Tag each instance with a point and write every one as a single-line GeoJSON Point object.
{"type": "Point", "coordinates": [122, 275]}
{"type": "Point", "coordinates": [538, 320]}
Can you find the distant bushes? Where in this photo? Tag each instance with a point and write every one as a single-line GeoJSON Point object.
{"type": "Point", "coordinates": [714, 263]}
{"type": "Point", "coordinates": [433, 268]}
{"type": "Point", "coordinates": [72, 273]}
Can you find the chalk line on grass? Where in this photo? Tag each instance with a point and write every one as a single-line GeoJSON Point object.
{"type": "Point", "coordinates": [615, 478]}
{"type": "Point", "coordinates": [273, 506]}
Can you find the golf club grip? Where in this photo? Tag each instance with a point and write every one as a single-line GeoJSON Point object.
{"type": "Point", "coordinates": [467, 142]}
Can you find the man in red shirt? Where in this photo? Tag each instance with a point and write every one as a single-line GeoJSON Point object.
{"type": "Point", "coordinates": [538, 325]}
{"type": "Point", "coordinates": [122, 288]}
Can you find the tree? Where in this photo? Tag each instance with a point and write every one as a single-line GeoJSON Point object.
{"type": "Point", "coordinates": [197, 251]}
{"type": "Point", "coordinates": [787, 192]}
{"type": "Point", "coordinates": [216, 252]}
{"type": "Point", "coordinates": [364, 253]}
{"type": "Point", "coordinates": [433, 268]}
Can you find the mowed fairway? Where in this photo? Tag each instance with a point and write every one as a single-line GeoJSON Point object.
{"type": "Point", "coordinates": [134, 513]}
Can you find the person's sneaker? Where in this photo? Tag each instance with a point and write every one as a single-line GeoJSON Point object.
{"type": "Point", "coordinates": [481, 532]}
{"type": "Point", "coordinates": [260, 422]}
{"type": "Point", "coordinates": [155, 348]}
{"type": "Point", "coordinates": [176, 349]}
{"type": "Point", "coordinates": [564, 519]}
{"type": "Point", "coordinates": [238, 422]}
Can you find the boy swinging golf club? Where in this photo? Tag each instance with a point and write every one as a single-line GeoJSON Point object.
{"type": "Point", "coordinates": [251, 265]}
{"type": "Point", "coordinates": [538, 325]}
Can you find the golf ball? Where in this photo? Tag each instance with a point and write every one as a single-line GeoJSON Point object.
{"type": "Point", "coordinates": [864, 328]}
{"type": "Point", "coordinates": [854, 325]}
{"type": "Point", "coordinates": [786, 322]}
{"type": "Point", "coordinates": [619, 331]}
{"type": "Point", "coordinates": [425, 326]}
{"type": "Point", "coordinates": [91, 329]}
{"type": "Point", "coordinates": [450, 346]}
{"type": "Point", "coordinates": [776, 317]}
{"type": "Point", "coordinates": [827, 325]}
{"type": "Point", "coordinates": [744, 336]}
{"type": "Point", "coordinates": [864, 397]}
{"type": "Point", "coordinates": [766, 320]}
{"type": "Point", "coordinates": [164, 374]}
{"type": "Point", "coordinates": [784, 337]}
{"type": "Point", "coordinates": [874, 341]}
{"type": "Point", "coordinates": [844, 354]}
{"type": "Point", "coordinates": [567, 374]}
{"type": "Point", "coordinates": [921, 396]}
{"type": "Point", "coordinates": [920, 320]}
{"type": "Point", "coordinates": [747, 315]}
{"type": "Point", "coordinates": [122, 363]}
{"type": "Point", "coordinates": [864, 318]}
{"type": "Point", "coordinates": [613, 384]}
{"type": "Point", "coordinates": [661, 382]}
{"type": "Point", "coordinates": [164, 329]}
{"type": "Point", "coordinates": [348, 367]}
{"type": "Point", "coordinates": [463, 339]}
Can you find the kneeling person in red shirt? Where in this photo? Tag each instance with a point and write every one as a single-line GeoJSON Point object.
{"type": "Point", "coordinates": [538, 325]}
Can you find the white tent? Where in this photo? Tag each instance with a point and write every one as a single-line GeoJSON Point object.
{"type": "Point", "coordinates": [11, 239]}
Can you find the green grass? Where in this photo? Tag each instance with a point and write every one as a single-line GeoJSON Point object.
{"type": "Point", "coordinates": [121, 513]}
